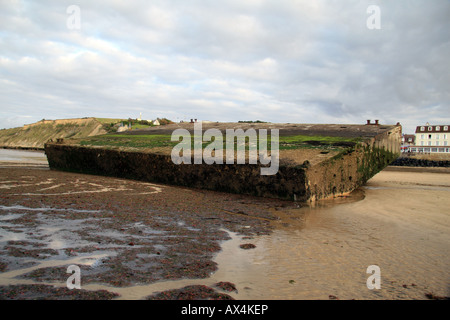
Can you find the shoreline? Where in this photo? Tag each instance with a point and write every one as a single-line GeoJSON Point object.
{"type": "Point", "coordinates": [417, 169]}
{"type": "Point", "coordinates": [22, 148]}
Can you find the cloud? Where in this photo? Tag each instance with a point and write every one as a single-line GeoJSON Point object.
{"type": "Point", "coordinates": [280, 61]}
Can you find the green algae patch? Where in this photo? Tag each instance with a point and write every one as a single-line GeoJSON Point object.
{"type": "Point", "coordinates": [131, 141]}
{"type": "Point", "coordinates": [321, 142]}
{"type": "Point", "coordinates": [164, 140]}
{"type": "Point", "coordinates": [373, 161]}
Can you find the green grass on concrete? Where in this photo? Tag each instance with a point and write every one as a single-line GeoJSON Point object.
{"type": "Point", "coordinates": [153, 141]}
{"type": "Point", "coordinates": [131, 141]}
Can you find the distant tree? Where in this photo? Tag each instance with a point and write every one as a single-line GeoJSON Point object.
{"type": "Point", "coordinates": [164, 121]}
{"type": "Point", "coordinates": [250, 121]}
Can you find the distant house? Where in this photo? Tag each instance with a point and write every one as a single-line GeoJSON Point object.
{"type": "Point", "coordinates": [408, 139]}
{"type": "Point", "coordinates": [432, 139]}
{"type": "Point", "coordinates": [156, 122]}
{"type": "Point", "coordinates": [122, 128]}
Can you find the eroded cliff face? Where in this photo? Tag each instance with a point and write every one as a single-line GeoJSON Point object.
{"type": "Point", "coordinates": [338, 174]}
{"type": "Point", "coordinates": [34, 136]}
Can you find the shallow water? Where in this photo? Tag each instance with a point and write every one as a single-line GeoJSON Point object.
{"type": "Point", "coordinates": [23, 156]}
{"type": "Point", "coordinates": [324, 251]}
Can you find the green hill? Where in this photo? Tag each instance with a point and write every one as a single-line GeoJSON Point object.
{"type": "Point", "coordinates": [36, 134]}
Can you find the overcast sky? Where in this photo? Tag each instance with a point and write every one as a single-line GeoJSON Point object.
{"type": "Point", "coordinates": [297, 61]}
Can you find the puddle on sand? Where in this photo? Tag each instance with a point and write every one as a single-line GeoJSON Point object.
{"type": "Point", "coordinates": [265, 272]}
{"type": "Point", "coordinates": [225, 272]}
{"type": "Point", "coordinates": [250, 270]}
{"type": "Point", "coordinates": [253, 271]}
{"type": "Point", "coordinates": [12, 277]}
{"type": "Point", "coordinates": [136, 292]}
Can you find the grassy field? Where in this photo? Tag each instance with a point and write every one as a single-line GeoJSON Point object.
{"type": "Point", "coordinates": [157, 141]}
{"type": "Point", "coordinates": [109, 120]}
{"type": "Point", "coordinates": [132, 141]}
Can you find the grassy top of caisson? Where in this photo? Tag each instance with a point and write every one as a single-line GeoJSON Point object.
{"type": "Point", "coordinates": [297, 143]}
{"type": "Point", "coordinates": [150, 141]}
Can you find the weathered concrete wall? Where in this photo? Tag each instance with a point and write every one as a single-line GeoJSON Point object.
{"type": "Point", "coordinates": [334, 176]}
{"type": "Point", "coordinates": [245, 179]}
{"type": "Point", "coordinates": [346, 172]}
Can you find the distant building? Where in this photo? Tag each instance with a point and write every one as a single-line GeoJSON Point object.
{"type": "Point", "coordinates": [408, 141]}
{"type": "Point", "coordinates": [156, 122]}
{"type": "Point", "coordinates": [122, 127]}
{"type": "Point", "coordinates": [432, 139]}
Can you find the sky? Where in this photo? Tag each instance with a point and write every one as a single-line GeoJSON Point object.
{"type": "Point", "coordinates": [282, 61]}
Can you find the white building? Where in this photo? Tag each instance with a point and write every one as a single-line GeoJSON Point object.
{"type": "Point", "coordinates": [432, 139]}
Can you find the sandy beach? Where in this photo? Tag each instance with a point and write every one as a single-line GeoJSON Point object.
{"type": "Point", "coordinates": [402, 225]}
{"type": "Point", "coordinates": [134, 239]}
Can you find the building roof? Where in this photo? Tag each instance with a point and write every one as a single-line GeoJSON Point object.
{"type": "Point", "coordinates": [433, 128]}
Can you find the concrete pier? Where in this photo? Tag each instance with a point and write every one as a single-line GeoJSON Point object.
{"type": "Point", "coordinates": [309, 170]}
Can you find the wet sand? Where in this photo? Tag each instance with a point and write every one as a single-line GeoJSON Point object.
{"type": "Point", "coordinates": [402, 225]}
{"type": "Point", "coordinates": [136, 239]}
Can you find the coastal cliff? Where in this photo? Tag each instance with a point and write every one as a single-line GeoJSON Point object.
{"type": "Point", "coordinates": [34, 136]}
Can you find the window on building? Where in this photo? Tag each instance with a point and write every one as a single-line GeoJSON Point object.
{"type": "Point", "coordinates": [429, 143]}
{"type": "Point", "coordinates": [437, 136]}
{"type": "Point", "coordinates": [429, 136]}
{"type": "Point", "coordinates": [445, 143]}
{"type": "Point", "coordinates": [422, 143]}
{"type": "Point", "coordinates": [422, 128]}
{"type": "Point", "coordinates": [430, 128]}
{"type": "Point", "coordinates": [445, 128]}
{"type": "Point", "coordinates": [422, 136]}
{"type": "Point", "coordinates": [437, 143]}
{"type": "Point", "coordinates": [445, 136]}
{"type": "Point", "coordinates": [438, 128]}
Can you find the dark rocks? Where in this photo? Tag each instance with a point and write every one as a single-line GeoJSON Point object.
{"type": "Point", "coordinates": [194, 292]}
{"type": "Point", "coordinates": [247, 246]}
{"type": "Point", "coordinates": [47, 292]}
{"type": "Point", "coordinates": [411, 162]}
{"type": "Point", "coordinates": [226, 286]}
